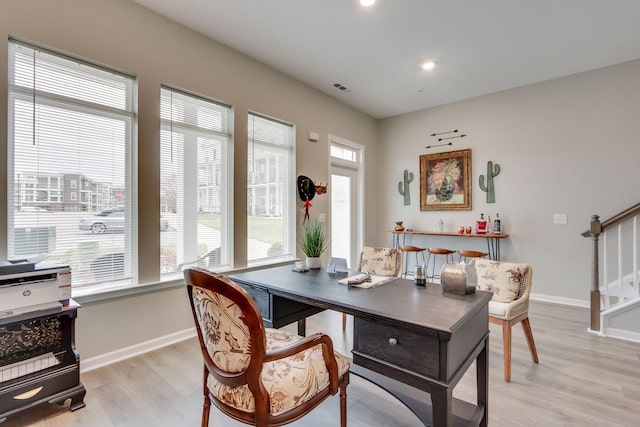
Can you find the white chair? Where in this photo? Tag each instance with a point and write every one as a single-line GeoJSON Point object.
{"type": "Point", "coordinates": [378, 261]}
{"type": "Point", "coordinates": [510, 284]}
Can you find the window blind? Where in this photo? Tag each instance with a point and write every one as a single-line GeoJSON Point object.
{"type": "Point", "coordinates": [270, 196]}
{"type": "Point", "coordinates": [71, 136]}
{"type": "Point", "coordinates": [196, 182]}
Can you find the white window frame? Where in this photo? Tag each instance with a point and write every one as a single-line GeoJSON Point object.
{"type": "Point", "coordinates": [288, 191]}
{"type": "Point", "coordinates": [88, 103]}
{"type": "Point", "coordinates": [188, 239]}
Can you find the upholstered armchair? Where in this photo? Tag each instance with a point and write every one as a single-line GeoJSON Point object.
{"type": "Point", "coordinates": [257, 375]}
{"type": "Point", "coordinates": [378, 261]}
{"type": "Point", "coordinates": [510, 284]}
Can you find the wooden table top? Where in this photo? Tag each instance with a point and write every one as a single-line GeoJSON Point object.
{"type": "Point", "coordinates": [449, 233]}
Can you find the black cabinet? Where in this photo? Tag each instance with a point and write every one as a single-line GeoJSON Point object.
{"type": "Point", "coordinates": [39, 362]}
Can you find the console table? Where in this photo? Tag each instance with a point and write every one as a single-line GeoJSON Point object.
{"type": "Point", "coordinates": [416, 342]}
{"type": "Point", "coordinates": [39, 362]}
{"type": "Point", "coordinates": [493, 240]}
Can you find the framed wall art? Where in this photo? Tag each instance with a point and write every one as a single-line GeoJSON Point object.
{"type": "Point", "coordinates": [445, 181]}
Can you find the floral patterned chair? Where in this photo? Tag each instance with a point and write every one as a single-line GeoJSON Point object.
{"type": "Point", "coordinates": [510, 284]}
{"type": "Point", "coordinates": [379, 261]}
{"type": "Point", "coordinates": [257, 375]}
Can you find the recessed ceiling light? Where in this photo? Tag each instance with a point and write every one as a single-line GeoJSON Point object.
{"type": "Point", "coordinates": [429, 65]}
{"type": "Point", "coordinates": [367, 3]}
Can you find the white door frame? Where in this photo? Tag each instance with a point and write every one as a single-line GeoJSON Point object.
{"type": "Point", "coordinates": [357, 198]}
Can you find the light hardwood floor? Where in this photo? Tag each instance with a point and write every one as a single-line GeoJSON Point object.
{"type": "Point", "coordinates": [582, 380]}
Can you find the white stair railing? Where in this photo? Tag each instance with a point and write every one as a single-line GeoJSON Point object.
{"type": "Point", "coordinates": [618, 290]}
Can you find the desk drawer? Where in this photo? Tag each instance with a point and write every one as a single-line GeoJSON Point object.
{"type": "Point", "coordinates": [417, 352]}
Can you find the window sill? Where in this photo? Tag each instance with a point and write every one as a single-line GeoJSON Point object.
{"type": "Point", "coordinates": [126, 288]}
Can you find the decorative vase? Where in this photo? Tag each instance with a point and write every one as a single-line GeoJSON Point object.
{"type": "Point", "coordinates": [399, 226]}
{"type": "Point", "coordinates": [458, 278]}
{"type": "Point", "coordinates": [313, 262]}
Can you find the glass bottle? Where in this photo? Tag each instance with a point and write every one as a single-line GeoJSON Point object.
{"type": "Point", "coordinates": [497, 226]}
{"type": "Point", "coordinates": [481, 225]}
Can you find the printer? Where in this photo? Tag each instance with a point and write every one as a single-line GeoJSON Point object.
{"type": "Point", "coordinates": [44, 287]}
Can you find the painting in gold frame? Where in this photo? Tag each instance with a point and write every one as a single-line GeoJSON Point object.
{"type": "Point", "coordinates": [445, 181]}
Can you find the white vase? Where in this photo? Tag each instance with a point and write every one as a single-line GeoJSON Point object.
{"type": "Point", "coordinates": [314, 262]}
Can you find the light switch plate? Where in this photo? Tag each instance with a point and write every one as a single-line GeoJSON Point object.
{"type": "Point", "coordinates": [560, 219]}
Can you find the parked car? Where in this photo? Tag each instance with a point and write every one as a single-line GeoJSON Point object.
{"type": "Point", "coordinates": [110, 220]}
{"type": "Point", "coordinates": [33, 209]}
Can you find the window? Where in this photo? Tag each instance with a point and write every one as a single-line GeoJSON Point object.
{"type": "Point", "coordinates": [270, 194]}
{"type": "Point", "coordinates": [195, 182]}
{"type": "Point", "coordinates": [71, 136]}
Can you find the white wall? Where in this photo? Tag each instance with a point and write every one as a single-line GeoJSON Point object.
{"type": "Point", "coordinates": [124, 35]}
{"type": "Point", "coordinates": [568, 145]}
{"type": "Point", "coordinates": [565, 146]}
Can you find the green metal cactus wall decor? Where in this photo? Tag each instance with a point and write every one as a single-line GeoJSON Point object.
{"type": "Point", "coordinates": [489, 188]}
{"type": "Point", "coordinates": [403, 186]}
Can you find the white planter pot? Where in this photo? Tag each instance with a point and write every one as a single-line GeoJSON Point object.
{"type": "Point", "coordinates": [314, 262]}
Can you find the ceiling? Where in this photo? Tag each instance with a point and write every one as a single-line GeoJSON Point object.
{"type": "Point", "coordinates": [480, 46]}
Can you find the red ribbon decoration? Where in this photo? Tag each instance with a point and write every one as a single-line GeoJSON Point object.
{"type": "Point", "coordinates": [307, 205]}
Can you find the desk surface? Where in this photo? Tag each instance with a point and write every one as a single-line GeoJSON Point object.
{"type": "Point", "coordinates": [416, 342]}
{"type": "Point", "coordinates": [399, 300]}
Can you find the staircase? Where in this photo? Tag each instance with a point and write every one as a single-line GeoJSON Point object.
{"type": "Point", "coordinates": [615, 274]}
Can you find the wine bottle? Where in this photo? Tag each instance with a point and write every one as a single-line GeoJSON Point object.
{"type": "Point", "coordinates": [497, 226]}
{"type": "Point", "coordinates": [481, 225]}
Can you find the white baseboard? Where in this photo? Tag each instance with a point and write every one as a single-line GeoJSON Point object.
{"type": "Point", "coordinates": [622, 334]}
{"type": "Point", "coordinates": [560, 300]}
{"type": "Point", "coordinates": [96, 362]}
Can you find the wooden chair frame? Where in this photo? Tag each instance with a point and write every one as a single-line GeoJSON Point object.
{"type": "Point", "coordinates": [507, 326]}
{"type": "Point", "coordinates": [251, 376]}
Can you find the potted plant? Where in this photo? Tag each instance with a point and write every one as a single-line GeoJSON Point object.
{"type": "Point", "coordinates": [313, 241]}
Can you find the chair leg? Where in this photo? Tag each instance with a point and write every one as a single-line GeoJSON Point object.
{"type": "Point", "coordinates": [206, 405]}
{"type": "Point", "coordinates": [506, 343]}
{"type": "Point", "coordinates": [526, 326]}
{"type": "Point", "coordinates": [344, 322]}
{"type": "Point", "coordinates": [343, 405]}
{"type": "Point", "coordinates": [206, 409]}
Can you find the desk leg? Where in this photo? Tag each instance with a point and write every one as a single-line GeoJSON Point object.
{"type": "Point", "coordinates": [302, 327]}
{"type": "Point", "coordinates": [441, 402]}
{"type": "Point", "coordinates": [482, 381]}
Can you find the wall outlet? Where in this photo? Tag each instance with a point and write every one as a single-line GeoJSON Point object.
{"type": "Point", "coordinates": [322, 217]}
{"type": "Point", "coordinates": [560, 219]}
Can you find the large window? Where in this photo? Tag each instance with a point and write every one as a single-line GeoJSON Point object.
{"type": "Point", "coordinates": [195, 183]}
{"type": "Point", "coordinates": [70, 139]}
{"type": "Point", "coordinates": [270, 192]}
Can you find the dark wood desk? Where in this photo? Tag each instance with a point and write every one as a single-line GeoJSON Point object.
{"type": "Point", "coordinates": [416, 342]}
{"type": "Point", "coordinates": [493, 240]}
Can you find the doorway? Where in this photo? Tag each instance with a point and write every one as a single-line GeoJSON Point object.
{"type": "Point", "coordinates": [346, 199]}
